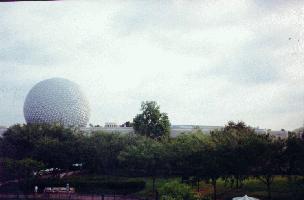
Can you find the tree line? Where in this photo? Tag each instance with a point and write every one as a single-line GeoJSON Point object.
{"type": "Point", "coordinates": [233, 153]}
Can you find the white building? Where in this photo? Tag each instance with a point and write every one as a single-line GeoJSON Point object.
{"type": "Point", "coordinates": [111, 127]}
{"type": "Point", "coordinates": [175, 129]}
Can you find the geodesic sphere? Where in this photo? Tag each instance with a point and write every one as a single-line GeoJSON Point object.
{"type": "Point", "coordinates": [56, 100]}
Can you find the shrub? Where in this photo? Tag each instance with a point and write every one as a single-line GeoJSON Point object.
{"type": "Point", "coordinates": [176, 191]}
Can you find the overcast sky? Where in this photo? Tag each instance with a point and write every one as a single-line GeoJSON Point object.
{"type": "Point", "coordinates": [204, 62]}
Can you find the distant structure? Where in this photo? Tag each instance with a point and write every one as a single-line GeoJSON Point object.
{"type": "Point", "coordinates": [110, 125]}
{"type": "Point", "coordinates": [56, 100]}
{"type": "Point", "coordinates": [176, 130]}
{"type": "Point", "coordinates": [2, 130]}
{"type": "Point", "coordinates": [280, 134]}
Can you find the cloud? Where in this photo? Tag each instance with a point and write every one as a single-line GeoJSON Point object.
{"type": "Point", "coordinates": [203, 62]}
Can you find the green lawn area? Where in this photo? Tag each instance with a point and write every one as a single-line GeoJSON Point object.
{"type": "Point", "coordinates": [254, 187]}
{"type": "Point", "coordinates": [282, 189]}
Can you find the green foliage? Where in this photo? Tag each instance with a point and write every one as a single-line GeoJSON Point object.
{"type": "Point", "coordinates": [294, 154]}
{"type": "Point", "coordinates": [233, 154]}
{"type": "Point", "coordinates": [235, 145]}
{"type": "Point", "coordinates": [53, 145]}
{"type": "Point", "coordinates": [145, 155]}
{"type": "Point", "coordinates": [151, 122]}
{"type": "Point", "coordinates": [101, 150]}
{"type": "Point", "coordinates": [176, 191]}
{"type": "Point", "coordinates": [24, 168]}
{"type": "Point", "coordinates": [185, 153]}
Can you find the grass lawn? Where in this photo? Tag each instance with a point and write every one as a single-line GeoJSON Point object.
{"type": "Point", "coordinates": [254, 187]}
{"type": "Point", "coordinates": [281, 188]}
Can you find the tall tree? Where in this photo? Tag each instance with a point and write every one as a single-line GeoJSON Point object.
{"type": "Point", "coordinates": [234, 141]}
{"type": "Point", "coordinates": [151, 122]}
{"type": "Point", "coordinates": [213, 162]}
{"type": "Point", "coordinates": [294, 154]}
{"type": "Point", "coordinates": [101, 150]}
{"type": "Point", "coordinates": [185, 154]}
{"type": "Point", "coordinates": [269, 159]}
{"type": "Point", "coordinates": [24, 168]}
{"type": "Point", "coordinates": [53, 145]}
{"type": "Point", "coordinates": [146, 157]}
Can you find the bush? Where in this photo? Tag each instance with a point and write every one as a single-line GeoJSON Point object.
{"type": "Point", "coordinates": [176, 191]}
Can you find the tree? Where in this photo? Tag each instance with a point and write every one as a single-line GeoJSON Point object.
{"type": "Point", "coordinates": [151, 122]}
{"type": "Point", "coordinates": [127, 124]}
{"type": "Point", "coordinates": [228, 154]}
{"type": "Point", "coordinates": [185, 155]}
{"type": "Point", "coordinates": [54, 145]}
{"type": "Point", "coordinates": [269, 159]}
{"type": "Point", "coordinates": [212, 165]}
{"type": "Point", "coordinates": [294, 154]}
{"type": "Point", "coordinates": [145, 157]}
{"type": "Point", "coordinates": [234, 141]}
{"type": "Point", "coordinates": [101, 150]}
{"type": "Point", "coordinates": [24, 168]}
{"type": "Point", "coordinates": [197, 155]}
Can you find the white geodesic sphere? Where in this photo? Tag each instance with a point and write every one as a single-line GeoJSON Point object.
{"type": "Point", "coordinates": [56, 100]}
